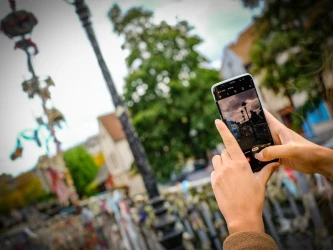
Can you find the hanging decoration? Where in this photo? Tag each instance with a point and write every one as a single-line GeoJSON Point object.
{"type": "Point", "coordinates": [28, 135]}
{"type": "Point", "coordinates": [45, 94]}
{"type": "Point", "coordinates": [36, 138]}
{"type": "Point", "coordinates": [18, 150]}
{"type": "Point", "coordinates": [19, 24]}
{"type": "Point", "coordinates": [40, 121]}
{"type": "Point", "coordinates": [49, 82]}
{"type": "Point", "coordinates": [55, 116]}
{"type": "Point", "coordinates": [25, 44]}
{"type": "Point", "coordinates": [31, 87]}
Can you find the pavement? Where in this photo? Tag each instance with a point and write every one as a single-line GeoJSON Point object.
{"type": "Point", "coordinates": [324, 139]}
{"type": "Point", "coordinates": [329, 143]}
{"type": "Point", "coordinates": [199, 174]}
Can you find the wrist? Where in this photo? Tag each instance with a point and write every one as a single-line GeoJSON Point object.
{"type": "Point", "coordinates": [247, 224]}
{"type": "Point", "coordinates": [325, 162]}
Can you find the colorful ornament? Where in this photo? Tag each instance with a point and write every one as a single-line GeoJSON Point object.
{"type": "Point", "coordinates": [36, 138]}
{"type": "Point", "coordinates": [25, 44]}
{"type": "Point", "coordinates": [31, 87]}
{"type": "Point", "coordinates": [45, 93]}
{"type": "Point", "coordinates": [18, 23]}
{"type": "Point", "coordinates": [18, 150]}
{"type": "Point", "coordinates": [40, 121]}
{"type": "Point", "coordinates": [49, 82]}
{"type": "Point", "coordinates": [55, 116]}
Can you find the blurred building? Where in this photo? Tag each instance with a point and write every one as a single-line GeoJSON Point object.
{"type": "Point", "coordinates": [103, 179]}
{"type": "Point", "coordinates": [93, 146]}
{"type": "Point", "coordinates": [115, 148]}
{"type": "Point", "coordinates": [236, 61]}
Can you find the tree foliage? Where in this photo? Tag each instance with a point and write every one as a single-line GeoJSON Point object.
{"type": "Point", "coordinates": [167, 89]}
{"type": "Point", "coordinates": [23, 190]}
{"type": "Point", "coordinates": [294, 48]}
{"type": "Point", "coordinates": [82, 168]}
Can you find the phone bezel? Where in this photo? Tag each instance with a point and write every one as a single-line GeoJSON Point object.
{"type": "Point", "coordinates": [254, 86]}
{"type": "Point", "coordinates": [230, 80]}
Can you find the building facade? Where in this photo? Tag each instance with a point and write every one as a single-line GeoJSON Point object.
{"type": "Point", "coordinates": [115, 148]}
{"type": "Point", "coordinates": [236, 61]}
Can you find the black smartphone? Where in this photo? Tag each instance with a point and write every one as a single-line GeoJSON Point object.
{"type": "Point", "coordinates": [239, 106]}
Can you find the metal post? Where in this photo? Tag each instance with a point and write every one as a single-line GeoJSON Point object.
{"type": "Point", "coordinates": [171, 238]}
{"type": "Point", "coordinates": [251, 124]}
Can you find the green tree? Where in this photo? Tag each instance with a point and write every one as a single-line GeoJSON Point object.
{"type": "Point", "coordinates": [25, 189]}
{"type": "Point", "coordinates": [82, 168]}
{"type": "Point", "coordinates": [294, 49]}
{"type": "Point", "coordinates": [167, 89]}
{"type": "Point", "coordinates": [30, 187]}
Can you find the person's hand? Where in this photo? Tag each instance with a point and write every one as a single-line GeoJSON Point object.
{"type": "Point", "coordinates": [240, 194]}
{"type": "Point", "coordinates": [295, 151]}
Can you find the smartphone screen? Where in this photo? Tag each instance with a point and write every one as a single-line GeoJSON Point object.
{"type": "Point", "coordinates": [240, 108]}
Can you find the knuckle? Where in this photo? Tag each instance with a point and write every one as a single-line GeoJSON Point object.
{"type": "Point", "coordinates": [216, 180]}
{"type": "Point", "coordinates": [218, 177]}
{"type": "Point", "coordinates": [212, 176]}
{"type": "Point", "coordinates": [224, 152]}
{"type": "Point", "coordinates": [227, 169]}
{"type": "Point", "coordinates": [216, 160]}
{"type": "Point", "coordinates": [229, 141]}
{"type": "Point", "coordinates": [243, 166]}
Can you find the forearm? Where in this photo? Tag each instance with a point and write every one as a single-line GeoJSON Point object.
{"type": "Point", "coordinates": [325, 162]}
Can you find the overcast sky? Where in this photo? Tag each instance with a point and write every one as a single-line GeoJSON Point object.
{"type": "Point", "coordinates": [66, 55]}
{"type": "Point", "coordinates": [231, 106]}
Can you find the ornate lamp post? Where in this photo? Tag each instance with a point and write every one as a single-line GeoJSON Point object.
{"type": "Point", "coordinates": [20, 24]}
{"type": "Point", "coordinates": [251, 124]}
{"type": "Point", "coordinates": [170, 237]}
{"type": "Point", "coordinates": [244, 105]}
{"type": "Point", "coordinates": [242, 111]}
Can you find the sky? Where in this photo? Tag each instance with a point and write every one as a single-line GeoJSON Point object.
{"type": "Point", "coordinates": [231, 106]}
{"type": "Point", "coordinates": [66, 55]}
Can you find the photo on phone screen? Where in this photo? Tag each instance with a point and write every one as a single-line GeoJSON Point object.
{"type": "Point", "coordinates": [241, 110]}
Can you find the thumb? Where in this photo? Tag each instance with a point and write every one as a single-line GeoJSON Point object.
{"type": "Point", "coordinates": [276, 152]}
{"type": "Point", "coordinates": [266, 173]}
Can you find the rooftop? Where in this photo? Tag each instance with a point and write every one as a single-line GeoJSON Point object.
{"type": "Point", "coordinates": [112, 124]}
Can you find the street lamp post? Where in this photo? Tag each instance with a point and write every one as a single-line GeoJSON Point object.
{"type": "Point", "coordinates": [242, 111]}
{"type": "Point", "coordinates": [252, 127]}
{"type": "Point", "coordinates": [244, 105]}
{"type": "Point", "coordinates": [171, 237]}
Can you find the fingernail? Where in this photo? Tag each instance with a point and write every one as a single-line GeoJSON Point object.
{"type": "Point", "coordinates": [258, 155]}
{"type": "Point", "coordinates": [218, 122]}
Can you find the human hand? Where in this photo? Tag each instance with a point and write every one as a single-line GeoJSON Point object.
{"type": "Point", "coordinates": [239, 192]}
{"type": "Point", "coordinates": [295, 151]}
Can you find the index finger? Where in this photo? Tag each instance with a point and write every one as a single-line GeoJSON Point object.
{"type": "Point", "coordinates": [229, 140]}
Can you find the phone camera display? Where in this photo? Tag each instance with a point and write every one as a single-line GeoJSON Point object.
{"type": "Point", "coordinates": [241, 110]}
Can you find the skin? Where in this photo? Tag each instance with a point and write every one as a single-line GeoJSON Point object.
{"type": "Point", "coordinates": [296, 152]}
{"type": "Point", "coordinates": [240, 194]}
